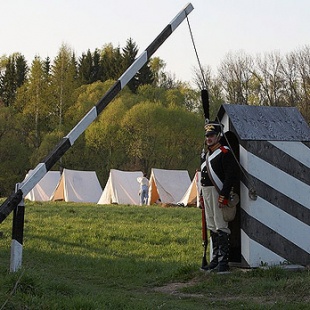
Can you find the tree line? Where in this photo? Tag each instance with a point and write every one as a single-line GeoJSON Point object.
{"type": "Point", "coordinates": [155, 122]}
{"type": "Point", "coordinates": [269, 80]}
{"type": "Point", "coordinates": [41, 103]}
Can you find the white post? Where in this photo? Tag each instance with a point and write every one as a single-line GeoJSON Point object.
{"type": "Point", "coordinates": [17, 235]}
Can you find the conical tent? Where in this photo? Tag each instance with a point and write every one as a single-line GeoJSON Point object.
{"type": "Point", "coordinates": [121, 188]}
{"type": "Point", "coordinates": [78, 186]}
{"type": "Point", "coordinates": [45, 187]}
{"type": "Point", "coordinates": [191, 196]}
{"type": "Point", "coordinates": [168, 186]}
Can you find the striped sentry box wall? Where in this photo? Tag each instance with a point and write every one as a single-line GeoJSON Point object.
{"type": "Point", "coordinates": [274, 153]}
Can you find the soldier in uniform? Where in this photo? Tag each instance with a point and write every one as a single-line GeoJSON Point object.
{"type": "Point", "coordinates": [219, 173]}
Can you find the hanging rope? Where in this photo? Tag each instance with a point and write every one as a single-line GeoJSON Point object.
{"type": "Point", "coordinates": [204, 91]}
{"type": "Point", "coordinates": [198, 60]}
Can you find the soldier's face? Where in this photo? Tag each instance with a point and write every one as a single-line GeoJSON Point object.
{"type": "Point", "coordinates": [212, 139]}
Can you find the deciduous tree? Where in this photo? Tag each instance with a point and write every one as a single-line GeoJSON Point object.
{"type": "Point", "coordinates": [33, 103]}
{"type": "Point", "coordinates": [63, 84]}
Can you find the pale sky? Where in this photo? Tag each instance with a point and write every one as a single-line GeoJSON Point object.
{"type": "Point", "coordinates": [39, 27]}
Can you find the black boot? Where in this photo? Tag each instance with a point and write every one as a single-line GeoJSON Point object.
{"type": "Point", "coordinates": [223, 251]}
{"type": "Point", "coordinates": [214, 262]}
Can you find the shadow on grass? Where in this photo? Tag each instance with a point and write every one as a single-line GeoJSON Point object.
{"type": "Point", "coordinates": [65, 281]}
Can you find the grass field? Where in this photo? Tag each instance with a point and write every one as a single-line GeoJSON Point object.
{"type": "Point", "coordinates": [85, 256]}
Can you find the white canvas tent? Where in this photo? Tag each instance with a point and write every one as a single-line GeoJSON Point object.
{"type": "Point", "coordinates": [78, 186]}
{"type": "Point", "coordinates": [122, 188]}
{"type": "Point", "coordinates": [168, 186]}
{"type": "Point", "coordinates": [45, 187]}
{"type": "Point", "coordinates": [191, 196]}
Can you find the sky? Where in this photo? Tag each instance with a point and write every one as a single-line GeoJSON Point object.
{"type": "Point", "coordinates": [255, 27]}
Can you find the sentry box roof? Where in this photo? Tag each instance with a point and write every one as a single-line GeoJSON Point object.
{"type": "Point", "coordinates": [266, 123]}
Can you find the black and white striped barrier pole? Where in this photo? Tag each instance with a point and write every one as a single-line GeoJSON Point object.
{"type": "Point", "coordinates": [42, 168]}
{"type": "Point", "coordinates": [17, 235]}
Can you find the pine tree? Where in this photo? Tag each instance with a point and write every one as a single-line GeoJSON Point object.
{"type": "Point", "coordinates": [85, 68]}
{"type": "Point", "coordinates": [47, 66]}
{"type": "Point", "coordinates": [145, 75]}
{"type": "Point", "coordinates": [129, 54]}
{"type": "Point", "coordinates": [96, 71]}
{"type": "Point", "coordinates": [21, 70]}
{"type": "Point", "coordinates": [13, 76]}
{"type": "Point", "coordinates": [8, 83]}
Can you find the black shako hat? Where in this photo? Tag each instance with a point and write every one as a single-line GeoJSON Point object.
{"type": "Point", "coordinates": [213, 128]}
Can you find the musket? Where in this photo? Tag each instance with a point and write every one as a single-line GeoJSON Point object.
{"type": "Point", "coordinates": [205, 105]}
{"type": "Point", "coordinates": [204, 262]}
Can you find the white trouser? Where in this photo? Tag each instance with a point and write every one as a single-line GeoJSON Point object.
{"type": "Point", "coordinates": [214, 215]}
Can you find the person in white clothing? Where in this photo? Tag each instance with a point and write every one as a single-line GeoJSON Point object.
{"type": "Point", "coordinates": [144, 189]}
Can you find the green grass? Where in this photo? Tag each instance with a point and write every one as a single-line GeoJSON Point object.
{"type": "Point", "coordinates": [85, 256]}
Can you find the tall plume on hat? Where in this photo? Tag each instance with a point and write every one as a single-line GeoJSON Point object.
{"type": "Point", "coordinates": [206, 111]}
{"type": "Point", "coordinates": [205, 104]}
